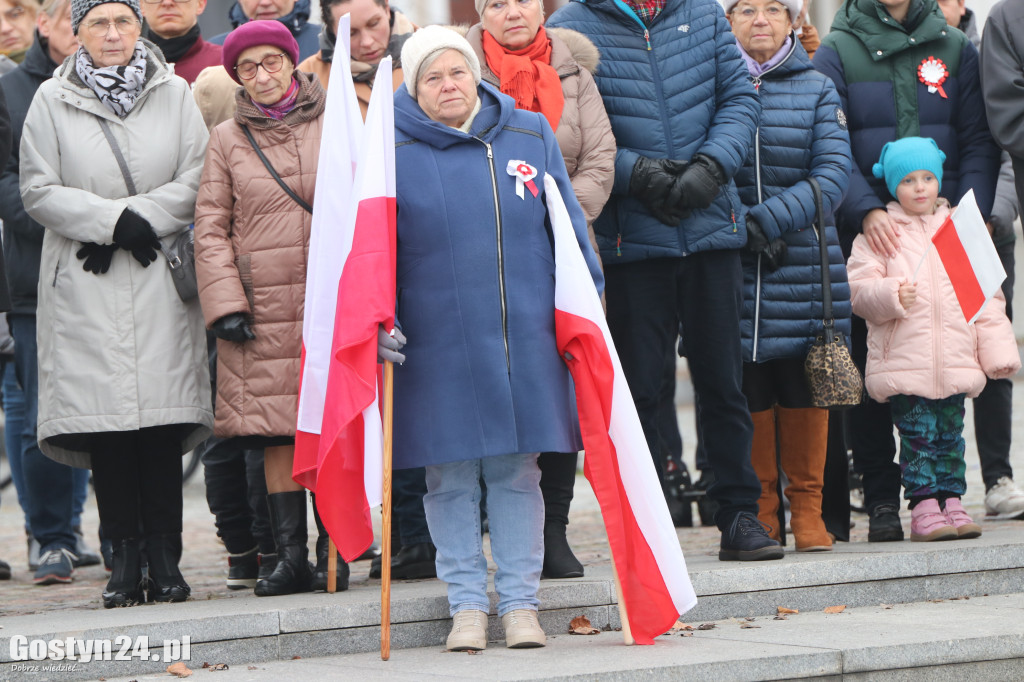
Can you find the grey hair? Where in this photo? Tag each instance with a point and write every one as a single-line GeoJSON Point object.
{"type": "Point", "coordinates": [54, 7]}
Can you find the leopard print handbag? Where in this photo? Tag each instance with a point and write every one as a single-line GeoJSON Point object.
{"type": "Point", "coordinates": [833, 379]}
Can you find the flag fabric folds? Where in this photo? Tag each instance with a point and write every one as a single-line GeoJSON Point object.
{"type": "Point", "coordinates": [969, 256]}
{"type": "Point", "coordinates": [339, 147]}
{"type": "Point", "coordinates": [349, 465]}
{"type": "Point", "coordinates": [656, 588]}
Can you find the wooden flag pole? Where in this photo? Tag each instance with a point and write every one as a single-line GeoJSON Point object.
{"type": "Point", "coordinates": [332, 567]}
{"type": "Point", "coordinates": [385, 540]}
{"type": "Point", "coordinates": [627, 635]}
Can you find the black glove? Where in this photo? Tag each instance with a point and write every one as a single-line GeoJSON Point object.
{"type": "Point", "coordinates": [389, 345]}
{"type": "Point", "coordinates": [756, 239]}
{"type": "Point", "coordinates": [652, 182]}
{"type": "Point", "coordinates": [234, 327]}
{"type": "Point", "coordinates": [134, 233]}
{"type": "Point", "coordinates": [773, 254]}
{"type": "Point", "coordinates": [699, 184]}
{"type": "Point", "coordinates": [97, 257]}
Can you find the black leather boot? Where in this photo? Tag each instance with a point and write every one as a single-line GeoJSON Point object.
{"type": "Point", "coordinates": [557, 479]}
{"type": "Point", "coordinates": [125, 585]}
{"type": "Point", "coordinates": [322, 549]}
{"type": "Point", "coordinates": [293, 572]}
{"type": "Point", "coordinates": [165, 580]}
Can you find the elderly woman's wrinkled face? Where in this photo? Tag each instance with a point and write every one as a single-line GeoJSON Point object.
{"type": "Point", "coordinates": [445, 89]}
{"type": "Point", "coordinates": [760, 26]}
{"type": "Point", "coordinates": [369, 28]}
{"type": "Point", "coordinates": [17, 23]}
{"type": "Point", "coordinates": [108, 32]}
{"type": "Point", "coordinates": [266, 73]}
{"type": "Point", "coordinates": [513, 23]}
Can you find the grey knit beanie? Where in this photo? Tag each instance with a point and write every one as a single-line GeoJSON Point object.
{"type": "Point", "coordinates": [79, 8]}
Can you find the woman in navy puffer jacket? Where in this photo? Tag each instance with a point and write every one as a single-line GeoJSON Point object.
{"type": "Point", "coordinates": [802, 134]}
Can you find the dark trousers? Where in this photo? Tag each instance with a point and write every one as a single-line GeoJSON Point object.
{"type": "Point", "coordinates": [236, 492]}
{"type": "Point", "coordinates": [870, 435]}
{"type": "Point", "coordinates": [993, 409]}
{"type": "Point", "coordinates": [409, 486]}
{"type": "Point", "coordinates": [557, 479]}
{"type": "Point", "coordinates": [137, 477]}
{"type": "Point", "coordinates": [49, 485]}
{"type": "Point", "coordinates": [647, 303]}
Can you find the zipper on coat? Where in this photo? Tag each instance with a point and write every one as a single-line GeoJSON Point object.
{"type": "Point", "coordinates": [937, 325]}
{"type": "Point", "coordinates": [757, 281]}
{"type": "Point", "coordinates": [501, 254]}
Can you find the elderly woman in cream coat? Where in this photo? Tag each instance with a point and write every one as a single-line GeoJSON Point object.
{"type": "Point", "coordinates": [124, 386]}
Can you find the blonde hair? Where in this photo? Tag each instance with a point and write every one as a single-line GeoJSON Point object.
{"type": "Point", "coordinates": [54, 7]}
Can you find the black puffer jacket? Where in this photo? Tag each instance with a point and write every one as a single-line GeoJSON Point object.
{"type": "Point", "coordinates": [23, 237]}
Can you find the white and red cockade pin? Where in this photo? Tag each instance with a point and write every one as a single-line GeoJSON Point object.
{"type": "Point", "coordinates": [524, 174]}
{"type": "Point", "coordinates": [933, 73]}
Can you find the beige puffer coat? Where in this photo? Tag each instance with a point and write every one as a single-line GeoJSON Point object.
{"type": "Point", "coordinates": [584, 133]}
{"type": "Point", "coordinates": [117, 351]}
{"type": "Point", "coordinates": [252, 243]}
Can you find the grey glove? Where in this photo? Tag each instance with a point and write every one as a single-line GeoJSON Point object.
{"type": "Point", "coordinates": [388, 346]}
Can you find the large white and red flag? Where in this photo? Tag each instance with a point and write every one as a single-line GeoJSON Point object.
{"type": "Point", "coordinates": [971, 260]}
{"type": "Point", "coordinates": [339, 148]}
{"type": "Point", "coordinates": [350, 458]}
{"type": "Point", "coordinates": [656, 588]}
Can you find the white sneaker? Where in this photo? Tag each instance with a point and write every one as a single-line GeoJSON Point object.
{"type": "Point", "coordinates": [522, 629]}
{"type": "Point", "coordinates": [469, 631]}
{"type": "Point", "coordinates": [1004, 500]}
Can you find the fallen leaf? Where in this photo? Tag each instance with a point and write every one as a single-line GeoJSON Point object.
{"type": "Point", "coordinates": [679, 625]}
{"type": "Point", "coordinates": [252, 667]}
{"type": "Point", "coordinates": [706, 626]}
{"type": "Point", "coordinates": [958, 598]}
{"type": "Point", "coordinates": [783, 609]}
{"type": "Point", "coordinates": [215, 666]}
{"type": "Point", "coordinates": [936, 601]}
{"type": "Point", "coordinates": [580, 625]}
{"type": "Point", "coordinates": [179, 669]}
{"type": "Point", "coordinates": [835, 609]}
{"type": "Point", "coordinates": [780, 617]}
{"type": "Point", "coordinates": [886, 606]}
{"type": "Point", "coordinates": [296, 658]}
{"type": "Point", "coordinates": [747, 624]}
{"type": "Point", "coordinates": [749, 619]}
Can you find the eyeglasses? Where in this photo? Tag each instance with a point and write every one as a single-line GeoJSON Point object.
{"type": "Point", "coordinates": [772, 13]}
{"type": "Point", "coordinates": [272, 63]}
{"type": "Point", "coordinates": [100, 27]}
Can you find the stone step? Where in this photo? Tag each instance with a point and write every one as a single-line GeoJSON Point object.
{"type": "Point", "coordinates": [252, 629]}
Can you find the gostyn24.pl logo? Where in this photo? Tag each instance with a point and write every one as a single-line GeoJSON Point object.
{"type": "Point", "coordinates": [121, 648]}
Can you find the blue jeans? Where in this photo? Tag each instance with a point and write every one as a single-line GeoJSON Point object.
{"type": "Point", "coordinates": [49, 486]}
{"type": "Point", "coordinates": [515, 513]}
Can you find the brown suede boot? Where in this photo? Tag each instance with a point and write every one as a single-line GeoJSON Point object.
{"type": "Point", "coordinates": [803, 439]}
{"type": "Point", "coordinates": [766, 466]}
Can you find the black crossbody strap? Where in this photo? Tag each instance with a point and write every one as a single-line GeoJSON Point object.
{"type": "Point", "coordinates": [266, 162]}
{"type": "Point", "coordinates": [819, 218]}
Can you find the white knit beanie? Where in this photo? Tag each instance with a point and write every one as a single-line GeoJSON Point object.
{"type": "Point", "coordinates": [428, 41]}
{"type": "Point", "coordinates": [794, 6]}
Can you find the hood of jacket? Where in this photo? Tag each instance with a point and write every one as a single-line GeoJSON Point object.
{"type": "Point", "coordinates": [495, 111]}
{"type": "Point", "coordinates": [884, 36]}
{"type": "Point", "coordinates": [294, 20]}
{"type": "Point", "coordinates": [157, 72]}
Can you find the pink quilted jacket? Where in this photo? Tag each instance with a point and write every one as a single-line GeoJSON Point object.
{"type": "Point", "coordinates": [929, 350]}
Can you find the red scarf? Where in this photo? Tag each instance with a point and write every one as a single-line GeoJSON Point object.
{"type": "Point", "coordinates": [527, 75]}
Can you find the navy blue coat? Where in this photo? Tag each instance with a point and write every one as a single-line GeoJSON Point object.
{"type": "Point", "coordinates": [307, 34]}
{"type": "Point", "coordinates": [671, 90]}
{"type": "Point", "coordinates": [802, 134]}
{"type": "Point", "coordinates": [476, 288]}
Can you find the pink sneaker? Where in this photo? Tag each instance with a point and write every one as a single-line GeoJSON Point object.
{"type": "Point", "coordinates": [964, 524]}
{"type": "Point", "coordinates": [928, 523]}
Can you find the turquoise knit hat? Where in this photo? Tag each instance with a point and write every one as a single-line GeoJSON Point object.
{"type": "Point", "coordinates": [904, 156]}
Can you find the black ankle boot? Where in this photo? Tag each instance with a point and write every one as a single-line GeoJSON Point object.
{"type": "Point", "coordinates": [322, 550]}
{"type": "Point", "coordinates": [557, 479]}
{"type": "Point", "coordinates": [165, 580]}
{"type": "Point", "coordinates": [125, 585]}
{"type": "Point", "coordinates": [293, 572]}
{"type": "Point", "coordinates": [559, 561]}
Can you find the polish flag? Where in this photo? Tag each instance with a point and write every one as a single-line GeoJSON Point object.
{"type": "Point", "coordinates": [351, 456]}
{"type": "Point", "coordinates": [649, 562]}
{"type": "Point", "coordinates": [971, 260]}
{"type": "Point", "coordinates": [339, 147]}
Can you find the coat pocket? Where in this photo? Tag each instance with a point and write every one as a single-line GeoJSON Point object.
{"type": "Point", "coordinates": [244, 264]}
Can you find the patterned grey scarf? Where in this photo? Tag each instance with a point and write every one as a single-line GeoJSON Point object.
{"type": "Point", "coordinates": [116, 86]}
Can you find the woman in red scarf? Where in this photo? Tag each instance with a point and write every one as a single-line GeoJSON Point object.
{"type": "Point", "coordinates": [550, 73]}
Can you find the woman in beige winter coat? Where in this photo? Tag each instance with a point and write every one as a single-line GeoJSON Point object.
{"type": "Point", "coordinates": [551, 72]}
{"type": "Point", "coordinates": [123, 379]}
{"type": "Point", "coordinates": [252, 243]}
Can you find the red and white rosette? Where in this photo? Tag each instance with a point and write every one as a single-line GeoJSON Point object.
{"type": "Point", "coordinates": [524, 174]}
{"type": "Point", "coordinates": [933, 73]}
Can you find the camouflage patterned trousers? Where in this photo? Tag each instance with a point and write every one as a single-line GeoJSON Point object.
{"type": "Point", "coordinates": [931, 445]}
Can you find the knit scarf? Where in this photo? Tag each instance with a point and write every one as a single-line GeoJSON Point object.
{"type": "Point", "coordinates": [284, 105]}
{"type": "Point", "coordinates": [173, 48]}
{"type": "Point", "coordinates": [527, 76]}
{"type": "Point", "coordinates": [116, 86]}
